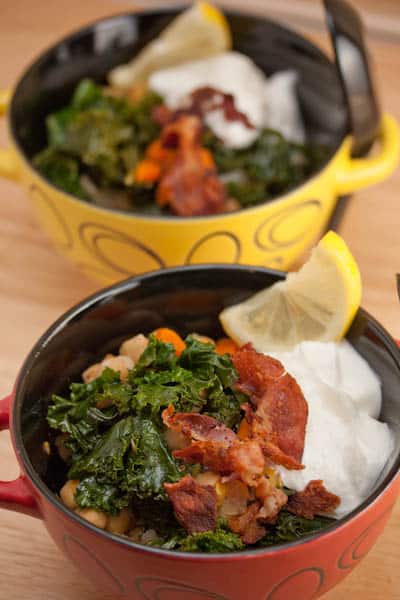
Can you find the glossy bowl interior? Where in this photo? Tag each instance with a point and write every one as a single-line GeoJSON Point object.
{"type": "Point", "coordinates": [188, 300]}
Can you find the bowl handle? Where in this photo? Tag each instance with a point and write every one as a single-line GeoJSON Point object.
{"type": "Point", "coordinates": [355, 173]}
{"type": "Point", "coordinates": [15, 495]}
{"type": "Point", "coordinates": [8, 163]}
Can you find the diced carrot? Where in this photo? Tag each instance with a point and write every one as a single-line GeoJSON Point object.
{"type": "Point", "coordinates": [156, 151]}
{"type": "Point", "coordinates": [163, 195]}
{"type": "Point", "coordinates": [147, 171]}
{"type": "Point", "coordinates": [243, 431]}
{"type": "Point", "coordinates": [169, 336]}
{"type": "Point", "coordinates": [225, 346]}
{"type": "Point", "coordinates": [207, 159]}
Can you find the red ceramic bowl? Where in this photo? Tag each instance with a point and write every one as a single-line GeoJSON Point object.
{"type": "Point", "coordinates": [188, 299]}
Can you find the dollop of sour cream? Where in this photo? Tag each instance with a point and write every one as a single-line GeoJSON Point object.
{"type": "Point", "coordinates": [267, 102]}
{"type": "Point", "coordinates": [345, 445]}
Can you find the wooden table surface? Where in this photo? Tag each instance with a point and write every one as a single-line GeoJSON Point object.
{"type": "Point", "coordinates": [37, 285]}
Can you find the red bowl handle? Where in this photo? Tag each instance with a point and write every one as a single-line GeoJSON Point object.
{"type": "Point", "coordinates": [15, 495]}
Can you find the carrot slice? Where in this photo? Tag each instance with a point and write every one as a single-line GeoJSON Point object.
{"type": "Point", "coordinates": [169, 336]}
{"type": "Point", "coordinates": [244, 430]}
{"type": "Point", "coordinates": [147, 171]}
{"type": "Point", "coordinates": [226, 346]}
{"type": "Point", "coordinates": [207, 159]}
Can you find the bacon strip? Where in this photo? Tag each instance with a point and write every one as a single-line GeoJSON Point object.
{"type": "Point", "coordinates": [216, 446]}
{"type": "Point", "coordinates": [313, 500]}
{"type": "Point", "coordinates": [247, 525]}
{"type": "Point", "coordinates": [250, 525]}
{"type": "Point", "coordinates": [197, 426]}
{"type": "Point", "coordinates": [195, 506]}
{"type": "Point", "coordinates": [280, 416]}
{"type": "Point", "coordinates": [245, 459]}
{"type": "Point", "coordinates": [189, 185]}
{"type": "Point", "coordinates": [202, 101]}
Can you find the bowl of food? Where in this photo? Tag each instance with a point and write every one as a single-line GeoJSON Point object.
{"type": "Point", "coordinates": [232, 144]}
{"type": "Point", "coordinates": [168, 461]}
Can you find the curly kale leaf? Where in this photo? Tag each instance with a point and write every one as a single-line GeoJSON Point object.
{"type": "Point", "coordinates": [92, 493]}
{"type": "Point", "coordinates": [271, 166]}
{"type": "Point", "coordinates": [220, 540]}
{"type": "Point", "coordinates": [158, 356]}
{"type": "Point", "coordinates": [106, 460]}
{"type": "Point", "coordinates": [60, 169]}
{"type": "Point", "coordinates": [97, 135]}
{"type": "Point", "coordinates": [288, 528]}
{"type": "Point", "coordinates": [79, 416]}
{"type": "Point", "coordinates": [222, 401]}
{"type": "Point", "coordinates": [150, 465]}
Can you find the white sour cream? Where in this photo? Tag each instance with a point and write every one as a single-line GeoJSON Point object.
{"type": "Point", "coordinates": [266, 102]}
{"type": "Point", "coordinates": [345, 445]}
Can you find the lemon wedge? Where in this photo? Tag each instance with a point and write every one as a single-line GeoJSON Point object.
{"type": "Point", "coordinates": [316, 303]}
{"type": "Point", "coordinates": [198, 32]}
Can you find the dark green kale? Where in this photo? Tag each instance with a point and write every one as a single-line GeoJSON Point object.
{"type": "Point", "coordinates": [157, 356]}
{"type": "Point", "coordinates": [220, 540]}
{"type": "Point", "coordinates": [106, 460]}
{"type": "Point", "coordinates": [93, 493]}
{"type": "Point", "coordinates": [62, 170]}
{"type": "Point", "coordinates": [289, 528]}
{"type": "Point", "coordinates": [222, 401]}
{"type": "Point", "coordinates": [271, 166]}
{"type": "Point", "coordinates": [150, 463]}
{"type": "Point", "coordinates": [98, 135]}
{"type": "Point", "coordinates": [79, 416]}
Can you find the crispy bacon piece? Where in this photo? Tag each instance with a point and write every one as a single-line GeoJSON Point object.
{"type": "Point", "coordinates": [247, 525]}
{"type": "Point", "coordinates": [195, 506]}
{"type": "Point", "coordinates": [200, 102]}
{"type": "Point", "coordinates": [216, 446]}
{"type": "Point", "coordinates": [279, 421]}
{"type": "Point", "coordinates": [245, 459]}
{"type": "Point", "coordinates": [251, 524]}
{"type": "Point", "coordinates": [189, 185]}
{"type": "Point", "coordinates": [207, 99]}
{"type": "Point", "coordinates": [197, 426]}
{"type": "Point", "coordinates": [313, 500]}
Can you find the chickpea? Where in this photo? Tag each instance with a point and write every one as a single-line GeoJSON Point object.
{"type": "Point", "coordinates": [123, 364]}
{"type": "Point", "coordinates": [119, 523]}
{"type": "Point", "coordinates": [118, 363]}
{"type": "Point", "coordinates": [203, 338]}
{"type": "Point", "coordinates": [134, 347]}
{"type": "Point", "coordinates": [95, 517]}
{"type": "Point", "coordinates": [67, 493]}
{"type": "Point", "coordinates": [92, 372]}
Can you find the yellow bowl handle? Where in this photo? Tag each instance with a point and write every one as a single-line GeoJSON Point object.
{"type": "Point", "coordinates": [356, 173]}
{"type": "Point", "coordinates": [8, 163]}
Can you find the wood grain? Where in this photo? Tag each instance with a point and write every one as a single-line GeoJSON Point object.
{"type": "Point", "coordinates": [37, 285]}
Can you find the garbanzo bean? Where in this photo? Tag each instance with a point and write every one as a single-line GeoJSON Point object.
{"type": "Point", "coordinates": [95, 517]}
{"type": "Point", "coordinates": [119, 523]}
{"type": "Point", "coordinates": [134, 347]}
{"type": "Point", "coordinates": [67, 493]}
{"type": "Point", "coordinates": [118, 363]}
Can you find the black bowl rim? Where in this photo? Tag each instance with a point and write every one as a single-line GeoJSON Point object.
{"type": "Point", "coordinates": [129, 284]}
{"type": "Point", "coordinates": [148, 217]}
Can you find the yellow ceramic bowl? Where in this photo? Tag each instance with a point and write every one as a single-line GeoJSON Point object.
{"type": "Point", "coordinates": [113, 244]}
